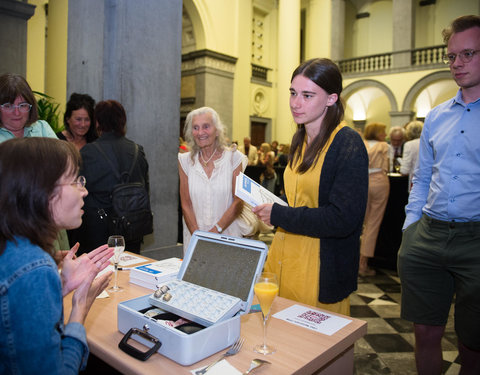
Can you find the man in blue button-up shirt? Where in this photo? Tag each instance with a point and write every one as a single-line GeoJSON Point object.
{"type": "Point", "coordinates": [440, 252]}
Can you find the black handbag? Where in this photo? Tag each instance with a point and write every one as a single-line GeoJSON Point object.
{"type": "Point", "coordinates": [131, 215]}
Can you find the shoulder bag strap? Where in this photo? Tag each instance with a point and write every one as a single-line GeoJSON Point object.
{"type": "Point", "coordinates": [115, 171]}
{"type": "Point", "coordinates": [135, 157]}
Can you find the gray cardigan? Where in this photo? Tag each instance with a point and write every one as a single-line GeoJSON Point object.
{"type": "Point", "coordinates": [338, 220]}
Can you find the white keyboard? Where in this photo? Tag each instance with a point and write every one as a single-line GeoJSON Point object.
{"type": "Point", "coordinates": [196, 303]}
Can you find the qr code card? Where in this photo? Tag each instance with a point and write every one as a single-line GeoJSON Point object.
{"type": "Point", "coordinates": [310, 318]}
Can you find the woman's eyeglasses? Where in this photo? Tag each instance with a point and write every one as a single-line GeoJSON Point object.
{"type": "Point", "coordinates": [80, 182]}
{"type": "Point", "coordinates": [22, 107]}
{"type": "Point", "coordinates": [465, 56]}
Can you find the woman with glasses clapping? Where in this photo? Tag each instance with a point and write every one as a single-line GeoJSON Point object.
{"type": "Point", "coordinates": [35, 203]}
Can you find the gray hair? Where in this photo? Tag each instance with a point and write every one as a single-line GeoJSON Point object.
{"type": "Point", "coordinates": [397, 129]}
{"type": "Point", "coordinates": [220, 141]}
{"type": "Point", "coordinates": [414, 129]}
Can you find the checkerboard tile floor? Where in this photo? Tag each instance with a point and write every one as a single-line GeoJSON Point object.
{"type": "Point", "coordinates": [388, 347]}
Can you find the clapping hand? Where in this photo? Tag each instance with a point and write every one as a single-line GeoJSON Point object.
{"type": "Point", "coordinates": [76, 269]}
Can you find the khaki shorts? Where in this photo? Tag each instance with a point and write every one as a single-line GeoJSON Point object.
{"type": "Point", "coordinates": [438, 260]}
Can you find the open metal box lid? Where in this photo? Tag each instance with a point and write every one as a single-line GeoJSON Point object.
{"type": "Point", "coordinates": [226, 264]}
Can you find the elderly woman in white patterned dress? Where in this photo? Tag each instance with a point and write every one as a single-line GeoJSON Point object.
{"type": "Point", "coordinates": [207, 177]}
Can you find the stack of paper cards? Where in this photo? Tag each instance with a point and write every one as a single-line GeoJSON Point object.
{"type": "Point", "coordinates": [151, 274]}
{"type": "Point", "coordinates": [254, 193]}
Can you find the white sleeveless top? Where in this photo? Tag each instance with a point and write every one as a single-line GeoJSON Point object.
{"type": "Point", "coordinates": [211, 197]}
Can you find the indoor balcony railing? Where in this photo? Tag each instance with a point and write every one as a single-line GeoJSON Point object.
{"type": "Point", "coordinates": [420, 58]}
{"type": "Point", "coordinates": [428, 55]}
{"type": "Point", "coordinates": [366, 64]}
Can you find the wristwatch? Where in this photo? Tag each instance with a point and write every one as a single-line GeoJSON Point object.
{"type": "Point", "coordinates": [219, 228]}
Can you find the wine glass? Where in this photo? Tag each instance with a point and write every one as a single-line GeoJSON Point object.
{"type": "Point", "coordinates": [118, 244]}
{"type": "Point", "coordinates": [396, 165]}
{"type": "Point", "coordinates": [266, 288]}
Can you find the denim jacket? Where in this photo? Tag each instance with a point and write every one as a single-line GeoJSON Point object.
{"type": "Point", "coordinates": [33, 337]}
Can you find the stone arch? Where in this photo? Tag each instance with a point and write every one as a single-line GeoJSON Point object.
{"type": "Point", "coordinates": [420, 85]}
{"type": "Point", "coordinates": [196, 20]}
{"type": "Point", "coordinates": [355, 86]}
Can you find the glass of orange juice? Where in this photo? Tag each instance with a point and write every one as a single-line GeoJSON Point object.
{"type": "Point", "coordinates": [266, 288]}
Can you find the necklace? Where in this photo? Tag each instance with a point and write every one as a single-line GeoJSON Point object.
{"type": "Point", "coordinates": [210, 158]}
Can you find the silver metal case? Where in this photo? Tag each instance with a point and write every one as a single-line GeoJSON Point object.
{"type": "Point", "coordinates": [226, 264]}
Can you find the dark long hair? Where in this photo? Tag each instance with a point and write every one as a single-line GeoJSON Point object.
{"type": "Point", "coordinates": [111, 117]}
{"type": "Point", "coordinates": [26, 189]}
{"type": "Point", "coordinates": [76, 102]}
{"type": "Point", "coordinates": [325, 74]}
{"type": "Point", "coordinates": [13, 85]}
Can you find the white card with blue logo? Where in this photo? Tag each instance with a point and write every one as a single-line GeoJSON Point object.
{"type": "Point", "coordinates": [253, 193]}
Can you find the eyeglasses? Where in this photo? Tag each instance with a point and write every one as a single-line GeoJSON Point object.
{"type": "Point", "coordinates": [465, 56]}
{"type": "Point", "coordinates": [22, 107]}
{"type": "Point", "coordinates": [80, 181]}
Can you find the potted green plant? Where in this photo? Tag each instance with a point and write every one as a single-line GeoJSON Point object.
{"type": "Point", "coordinates": [48, 110]}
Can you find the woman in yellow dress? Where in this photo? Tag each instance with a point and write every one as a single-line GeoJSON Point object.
{"type": "Point", "coordinates": [315, 250]}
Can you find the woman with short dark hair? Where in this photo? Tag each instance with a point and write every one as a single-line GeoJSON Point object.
{"type": "Point", "coordinates": [79, 121]}
{"type": "Point", "coordinates": [35, 204]}
{"type": "Point", "coordinates": [111, 123]}
{"type": "Point", "coordinates": [111, 118]}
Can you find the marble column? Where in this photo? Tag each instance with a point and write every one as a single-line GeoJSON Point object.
{"type": "Point", "coordinates": [400, 118]}
{"type": "Point", "coordinates": [318, 34]}
{"type": "Point", "coordinates": [403, 32]}
{"type": "Point", "coordinates": [288, 60]}
{"type": "Point", "coordinates": [338, 30]}
{"type": "Point", "coordinates": [130, 51]}
{"type": "Point", "coordinates": [213, 74]}
{"type": "Point", "coordinates": [13, 30]}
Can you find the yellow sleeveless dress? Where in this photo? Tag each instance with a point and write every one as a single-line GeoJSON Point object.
{"type": "Point", "coordinates": [296, 258]}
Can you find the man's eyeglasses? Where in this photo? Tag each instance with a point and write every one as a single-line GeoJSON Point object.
{"type": "Point", "coordinates": [80, 181]}
{"type": "Point", "coordinates": [22, 107]}
{"type": "Point", "coordinates": [465, 56]}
